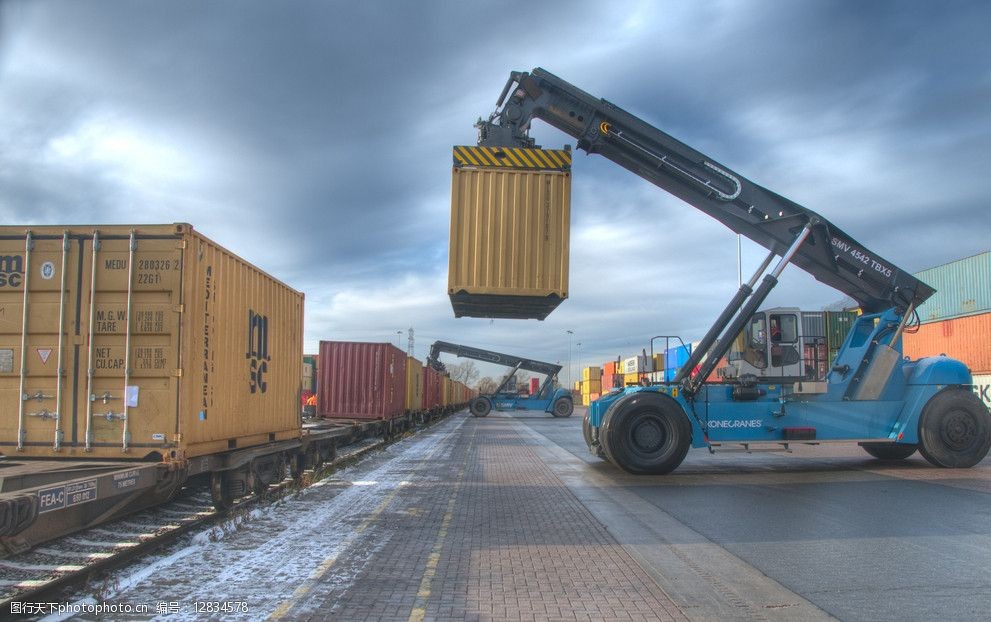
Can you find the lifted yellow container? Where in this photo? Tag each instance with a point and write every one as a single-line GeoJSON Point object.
{"type": "Point", "coordinates": [510, 231]}
{"type": "Point", "coordinates": [144, 342]}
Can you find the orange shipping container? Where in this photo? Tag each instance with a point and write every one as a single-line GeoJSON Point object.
{"type": "Point", "coordinates": [967, 339]}
{"type": "Point", "coordinates": [144, 341]}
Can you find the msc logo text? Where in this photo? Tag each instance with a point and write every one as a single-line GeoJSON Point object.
{"type": "Point", "coordinates": [11, 270]}
{"type": "Point", "coordinates": [257, 353]}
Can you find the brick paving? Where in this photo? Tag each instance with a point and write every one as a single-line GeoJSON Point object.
{"type": "Point", "coordinates": [485, 531]}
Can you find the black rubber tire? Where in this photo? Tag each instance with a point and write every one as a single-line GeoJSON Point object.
{"type": "Point", "coordinates": [480, 407]}
{"type": "Point", "coordinates": [595, 450]}
{"type": "Point", "coordinates": [563, 407]}
{"type": "Point", "coordinates": [954, 429]}
{"type": "Point", "coordinates": [645, 433]}
{"type": "Point", "coordinates": [889, 451]}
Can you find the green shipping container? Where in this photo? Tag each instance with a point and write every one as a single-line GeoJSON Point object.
{"type": "Point", "coordinates": [838, 325]}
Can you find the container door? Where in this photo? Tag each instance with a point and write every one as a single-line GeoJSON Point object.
{"type": "Point", "coordinates": [35, 313]}
{"type": "Point", "coordinates": [130, 312]}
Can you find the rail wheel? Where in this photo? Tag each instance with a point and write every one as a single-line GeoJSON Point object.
{"type": "Point", "coordinates": [563, 407]}
{"type": "Point", "coordinates": [480, 406]}
{"type": "Point", "coordinates": [889, 451]}
{"type": "Point", "coordinates": [221, 491]}
{"type": "Point", "coordinates": [645, 433]}
{"type": "Point", "coordinates": [954, 429]}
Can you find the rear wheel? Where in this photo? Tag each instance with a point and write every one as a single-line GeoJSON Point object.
{"type": "Point", "coordinates": [645, 433]}
{"type": "Point", "coordinates": [889, 451]}
{"type": "Point", "coordinates": [563, 407]}
{"type": "Point", "coordinates": [480, 406]}
{"type": "Point", "coordinates": [954, 429]}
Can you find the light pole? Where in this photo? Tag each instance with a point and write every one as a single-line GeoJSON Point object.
{"type": "Point", "coordinates": [399, 343]}
{"type": "Point", "coordinates": [570, 334]}
{"type": "Point", "coordinates": [580, 357]}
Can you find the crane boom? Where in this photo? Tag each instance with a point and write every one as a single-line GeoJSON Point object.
{"type": "Point", "coordinates": [826, 252]}
{"type": "Point", "coordinates": [488, 356]}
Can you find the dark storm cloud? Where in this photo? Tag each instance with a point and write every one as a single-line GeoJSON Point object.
{"type": "Point", "coordinates": [314, 138]}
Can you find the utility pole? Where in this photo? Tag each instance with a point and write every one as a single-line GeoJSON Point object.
{"type": "Point", "coordinates": [570, 334]}
{"type": "Point", "coordinates": [409, 344]}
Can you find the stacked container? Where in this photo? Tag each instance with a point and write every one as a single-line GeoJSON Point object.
{"type": "Point", "coordinates": [361, 380]}
{"type": "Point", "coordinates": [956, 320]}
{"type": "Point", "coordinates": [591, 384]}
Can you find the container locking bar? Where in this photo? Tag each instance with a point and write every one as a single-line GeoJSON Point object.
{"type": "Point", "coordinates": [89, 369]}
{"type": "Point", "coordinates": [28, 246]}
{"type": "Point", "coordinates": [61, 347]}
{"type": "Point", "coordinates": [133, 246]}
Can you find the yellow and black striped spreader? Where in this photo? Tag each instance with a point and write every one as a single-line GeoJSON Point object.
{"type": "Point", "coordinates": [513, 157]}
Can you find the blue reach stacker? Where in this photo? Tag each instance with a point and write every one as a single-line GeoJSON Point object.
{"type": "Point", "coordinates": [871, 394]}
{"type": "Point", "coordinates": [556, 401]}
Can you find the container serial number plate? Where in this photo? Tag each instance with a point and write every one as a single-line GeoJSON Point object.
{"type": "Point", "coordinates": [59, 497]}
{"type": "Point", "coordinates": [6, 361]}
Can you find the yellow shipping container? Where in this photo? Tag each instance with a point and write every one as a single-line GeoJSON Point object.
{"type": "Point", "coordinates": [592, 373]}
{"type": "Point", "coordinates": [510, 232]}
{"type": "Point", "coordinates": [90, 334]}
{"type": "Point", "coordinates": [414, 384]}
{"type": "Point", "coordinates": [631, 379]}
{"type": "Point", "coordinates": [592, 386]}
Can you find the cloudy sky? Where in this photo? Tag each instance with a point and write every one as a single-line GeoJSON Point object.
{"type": "Point", "coordinates": [314, 139]}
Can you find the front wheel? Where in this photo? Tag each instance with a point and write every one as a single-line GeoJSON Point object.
{"type": "Point", "coordinates": [563, 407]}
{"type": "Point", "coordinates": [889, 451]}
{"type": "Point", "coordinates": [480, 407]}
{"type": "Point", "coordinates": [645, 433]}
{"type": "Point", "coordinates": [955, 429]}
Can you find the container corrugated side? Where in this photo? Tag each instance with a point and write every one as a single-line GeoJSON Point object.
{"type": "Point", "coordinates": [431, 388]}
{"type": "Point", "coordinates": [359, 380]}
{"type": "Point", "coordinates": [209, 357]}
{"type": "Point", "coordinates": [414, 384]}
{"type": "Point", "coordinates": [591, 373]}
{"type": "Point", "coordinates": [967, 339]}
{"type": "Point", "coordinates": [509, 244]}
{"type": "Point", "coordinates": [962, 288]}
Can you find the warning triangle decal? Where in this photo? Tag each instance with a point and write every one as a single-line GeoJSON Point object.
{"type": "Point", "coordinates": [43, 354]}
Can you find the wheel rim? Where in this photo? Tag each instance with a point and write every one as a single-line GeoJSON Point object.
{"type": "Point", "coordinates": [648, 435]}
{"type": "Point", "coordinates": [959, 430]}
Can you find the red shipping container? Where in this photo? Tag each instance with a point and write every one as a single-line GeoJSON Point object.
{"type": "Point", "coordinates": [609, 368]}
{"type": "Point", "coordinates": [534, 385]}
{"type": "Point", "coordinates": [431, 388]}
{"type": "Point", "coordinates": [967, 339]}
{"type": "Point", "coordinates": [361, 380]}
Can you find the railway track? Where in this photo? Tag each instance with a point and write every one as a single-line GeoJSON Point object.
{"type": "Point", "coordinates": [41, 574]}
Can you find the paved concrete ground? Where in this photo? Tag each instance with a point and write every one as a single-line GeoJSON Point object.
{"type": "Point", "coordinates": [510, 518]}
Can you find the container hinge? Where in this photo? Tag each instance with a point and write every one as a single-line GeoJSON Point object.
{"type": "Point", "coordinates": [106, 397]}
{"type": "Point", "coordinates": [37, 396]}
{"type": "Point", "coordinates": [177, 373]}
{"type": "Point", "coordinates": [44, 414]}
{"type": "Point", "coordinates": [111, 416]}
{"type": "Point", "coordinates": [181, 245]}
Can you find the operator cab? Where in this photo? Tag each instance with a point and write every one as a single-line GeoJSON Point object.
{"type": "Point", "coordinates": [772, 346]}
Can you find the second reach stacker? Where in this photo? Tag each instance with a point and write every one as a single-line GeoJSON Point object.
{"type": "Point", "coordinates": [556, 401]}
